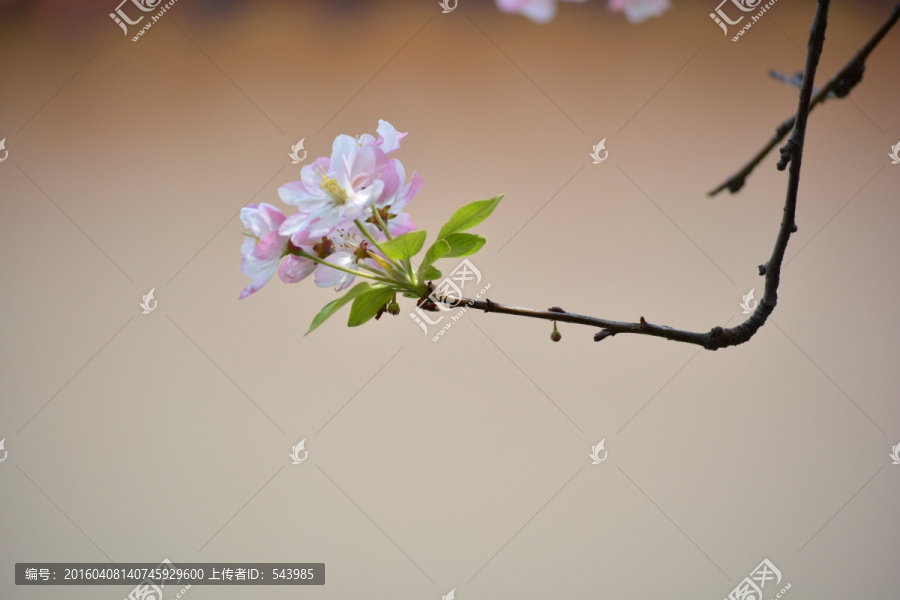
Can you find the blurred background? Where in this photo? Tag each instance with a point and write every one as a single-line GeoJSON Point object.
{"type": "Point", "coordinates": [464, 463]}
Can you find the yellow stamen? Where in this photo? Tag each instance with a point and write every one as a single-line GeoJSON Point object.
{"type": "Point", "coordinates": [333, 188]}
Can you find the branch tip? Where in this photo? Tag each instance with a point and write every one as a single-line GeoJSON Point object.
{"type": "Point", "coordinates": [602, 335]}
{"type": "Point", "coordinates": [792, 152]}
{"type": "Point", "coordinates": [838, 86]}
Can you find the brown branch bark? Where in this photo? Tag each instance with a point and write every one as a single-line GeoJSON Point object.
{"type": "Point", "coordinates": [838, 86]}
{"type": "Point", "coordinates": [717, 337]}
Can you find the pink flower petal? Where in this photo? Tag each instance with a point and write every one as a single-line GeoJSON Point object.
{"type": "Point", "coordinates": [389, 138]}
{"type": "Point", "coordinates": [327, 277]}
{"type": "Point", "coordinates": [295, 268]}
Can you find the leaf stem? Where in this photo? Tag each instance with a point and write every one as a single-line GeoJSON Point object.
{"type": "Point", "coordinates": [375, 243]}
{"type": "Point", "coordinates": [303, 253]}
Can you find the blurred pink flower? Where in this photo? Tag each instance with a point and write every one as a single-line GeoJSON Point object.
{"type": "Point", "coordinates": [640, 10]}
{"type": "Point", "coordinates": [539, 11]}
{"type": "Point", "coordinates": [263, 246]}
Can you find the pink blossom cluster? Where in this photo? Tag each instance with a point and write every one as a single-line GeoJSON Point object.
{"type": "Point", "coordinates": [542, 11]}
{"type": "Point", "coordinates": [344, 204]}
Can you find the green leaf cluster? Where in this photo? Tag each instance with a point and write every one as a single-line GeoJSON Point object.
{"type": "Point", "coordinates": [452, 242]}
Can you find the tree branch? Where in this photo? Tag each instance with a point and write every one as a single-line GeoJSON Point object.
{"type": "Point", "coordinates": [717, 337]}
{"type": "Point", "coordinates": [838, 86]}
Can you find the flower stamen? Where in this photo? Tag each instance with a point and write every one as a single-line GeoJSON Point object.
{"type": "Point", "coordinates": [331, 187]}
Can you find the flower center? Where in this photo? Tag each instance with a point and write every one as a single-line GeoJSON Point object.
{"type": "Point", "coordinates": [351, 243]}
{"type": "Point", "coordinates": [361, 253]}
{"type": "Point", "coordinates": [385, 215]}
{"type": "Point", "coordinates": [331, 187]}
{"type": "Point", "coordinates": [324, 248]}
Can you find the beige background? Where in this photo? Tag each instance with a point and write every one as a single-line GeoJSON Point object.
{"type": "Point", "coordinates": [464, 463]}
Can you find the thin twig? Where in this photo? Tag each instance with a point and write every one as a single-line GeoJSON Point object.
{"type": "Point", "coordinates": [838, 86]}
{"type": "Point", "coordinates": [795, 80]}
{"type": "Point", "coordinates": [717, 337]}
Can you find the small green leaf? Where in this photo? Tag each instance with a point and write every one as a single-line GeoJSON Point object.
{"type": "Point", "coordinates": [367, 305]}
{"type": "Point", "coordinates": [464, 244]}
{"type": "Point", "coordinates": [437, 250]}
{"type": "Point", "coordinates": [335, 305]}
{"type": "Point", "coordinates": [406, 246]}
{"type": "Point", "coordinates": [430, 274]}
{"type": "Point", "coordinates": [469, 216]}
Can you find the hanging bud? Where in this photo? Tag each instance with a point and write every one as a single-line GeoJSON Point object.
{"type": "Point", "coordinates": [555, 335]}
